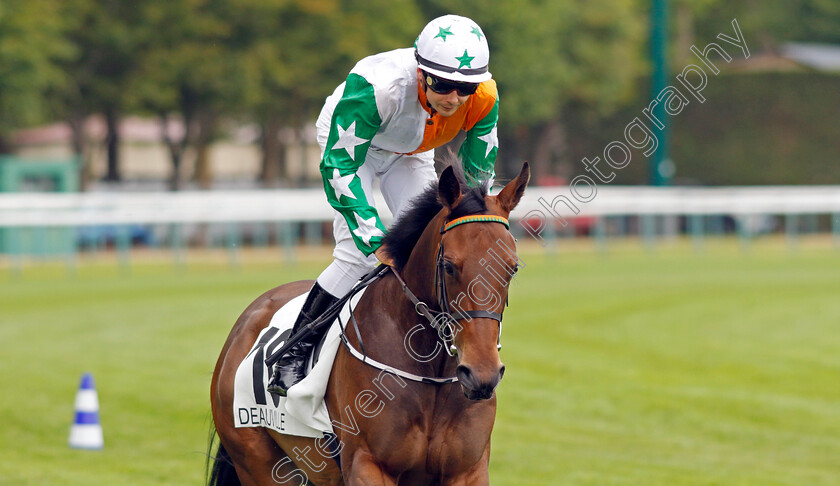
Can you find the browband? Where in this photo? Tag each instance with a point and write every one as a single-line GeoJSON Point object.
{"type": "Point", "coordinates": [475, 218]}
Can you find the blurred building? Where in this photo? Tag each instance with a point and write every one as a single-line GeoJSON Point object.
{"type": "Point", "coordinates": [235, 159]}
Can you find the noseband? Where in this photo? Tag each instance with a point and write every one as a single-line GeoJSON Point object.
{"type": "Point", "coordinates": [445, 316]}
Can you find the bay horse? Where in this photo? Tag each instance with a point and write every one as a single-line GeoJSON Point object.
{"type": "Point", "coordinates": [426, 419]}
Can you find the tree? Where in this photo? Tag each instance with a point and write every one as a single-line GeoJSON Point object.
{"type": "Point", "coordinates": [820, 21]}
{"type": "Point", "coordinates": [298, 51]}
{"type": "Point", "coordinates": [552, 59]}
{"type": "Point", "coordinates": [767, 24]}
{"type": "Point", "coordinates": [287, 56]}
{"type": "Point", "coordinates": [103, 33]}
{"type": "Point", "coordinates": [188, 66]}
{"type": "Point", "coordinates": [31, 45]}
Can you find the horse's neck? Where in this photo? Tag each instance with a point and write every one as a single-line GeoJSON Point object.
{"type": "Point", "coordinates": [419, 270]}
{"type": "Point", "coordinates": [390, 308]}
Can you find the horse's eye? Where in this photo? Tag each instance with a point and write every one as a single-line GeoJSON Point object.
{"type": "Point", "coordinates": [449, 268]}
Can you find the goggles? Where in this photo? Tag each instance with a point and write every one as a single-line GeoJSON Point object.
{"type": "Point", "coordinates": [444, 86]}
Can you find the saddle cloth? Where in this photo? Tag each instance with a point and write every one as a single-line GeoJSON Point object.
{"type": "Point", "coordinates": [303, 412]}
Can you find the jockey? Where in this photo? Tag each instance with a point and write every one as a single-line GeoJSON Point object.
{"type": "Point", "coordinates": [385, 120]}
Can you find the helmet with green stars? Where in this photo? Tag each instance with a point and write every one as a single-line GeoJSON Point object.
{"type": "Point", "coordinates": [454, 48]}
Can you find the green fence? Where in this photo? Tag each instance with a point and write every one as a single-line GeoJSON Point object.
{"type": "Point", "coordinates": [38, 175]}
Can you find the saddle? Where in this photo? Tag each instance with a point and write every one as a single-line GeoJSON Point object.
{"type": "Point", "coordinates": [303, 412]}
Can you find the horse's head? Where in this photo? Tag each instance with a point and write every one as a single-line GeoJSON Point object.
{"type": "Point", "coordinates": [475, 264]}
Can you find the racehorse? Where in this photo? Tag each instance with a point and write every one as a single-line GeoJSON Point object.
{"type": "Point", "coordinates": [425, 416]}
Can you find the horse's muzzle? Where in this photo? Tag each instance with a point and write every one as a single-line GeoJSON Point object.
{"type": "Point", "coordinates": [477, 387]}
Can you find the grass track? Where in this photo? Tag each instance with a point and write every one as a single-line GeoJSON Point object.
{"type": "Point", "coordinates": [625, 368]}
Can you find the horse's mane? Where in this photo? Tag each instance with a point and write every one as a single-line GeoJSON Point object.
{"type": "Point", "coordinates": [404, 233]}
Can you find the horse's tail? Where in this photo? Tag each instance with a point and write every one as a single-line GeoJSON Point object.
{"type": "Point", "coordinates": [222, 472]}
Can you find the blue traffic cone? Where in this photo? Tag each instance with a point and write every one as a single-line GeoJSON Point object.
{"type": "Point", "coordinates": [86, 432]}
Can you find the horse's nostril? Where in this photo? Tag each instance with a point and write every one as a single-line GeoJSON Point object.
{"type": "Point", "coordinates": [502, 372]}
{"type": "Point", "coordinates": [464, 375]}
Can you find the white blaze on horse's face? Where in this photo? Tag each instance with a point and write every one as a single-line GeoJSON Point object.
{"type": "Point", "coordinates": [478, 262]}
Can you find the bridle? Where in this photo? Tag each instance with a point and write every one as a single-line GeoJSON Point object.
{"type": "Point", "coordinates": [445, 316]}
{"type": "Point", "coordinates": [450, 319]}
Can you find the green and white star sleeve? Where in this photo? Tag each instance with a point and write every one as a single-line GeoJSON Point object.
{"type": "Point", "coordinates": [354, 123]}
{"type": "Point", "coordinates": [479, 149]}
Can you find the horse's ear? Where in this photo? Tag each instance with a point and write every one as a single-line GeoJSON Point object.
{"type": "Point", "coordinates": [509, 197]}
{"type": "Point", "coordinates": [449, 189]}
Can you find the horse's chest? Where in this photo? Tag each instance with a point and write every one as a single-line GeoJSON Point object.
{"type": "Point", "coordinates": [456, 450]}
{"type": "Point", "coordinates": [438, 441]}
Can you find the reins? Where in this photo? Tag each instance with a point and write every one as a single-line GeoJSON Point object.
{"type": "Point", "coordinates": [450, 319]}
{"type": "Point", "coordinates": [327, 317]}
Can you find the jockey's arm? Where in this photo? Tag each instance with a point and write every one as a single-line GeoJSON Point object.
{"type": "Point", "coordinates": [354, 123]}
{"type": "Point", "coordinates": [479, 149]}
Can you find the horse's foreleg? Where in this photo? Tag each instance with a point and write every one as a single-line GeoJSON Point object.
{"type": "Point", "coordinates": [259, 461]}
{"type": "Point", "coordinates": [362, 470]}
{"type": "Point", "coordinates": [478, 475]}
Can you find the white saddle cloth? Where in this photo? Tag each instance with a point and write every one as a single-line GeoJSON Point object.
{"type": "Point", "coordinates": [303, 412]}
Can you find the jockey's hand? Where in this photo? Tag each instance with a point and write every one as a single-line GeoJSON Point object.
{"type": "Point", "coordinates": [383, 256]}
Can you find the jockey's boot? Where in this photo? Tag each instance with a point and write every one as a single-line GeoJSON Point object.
{"type": "Point", "coordinates": [290, 368]}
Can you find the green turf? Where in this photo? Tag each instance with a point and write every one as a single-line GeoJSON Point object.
{"type": "Point", "coordinates": [625, 368]}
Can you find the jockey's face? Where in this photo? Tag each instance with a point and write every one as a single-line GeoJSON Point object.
{"type": "Point", "coordinates": [445, 104]}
